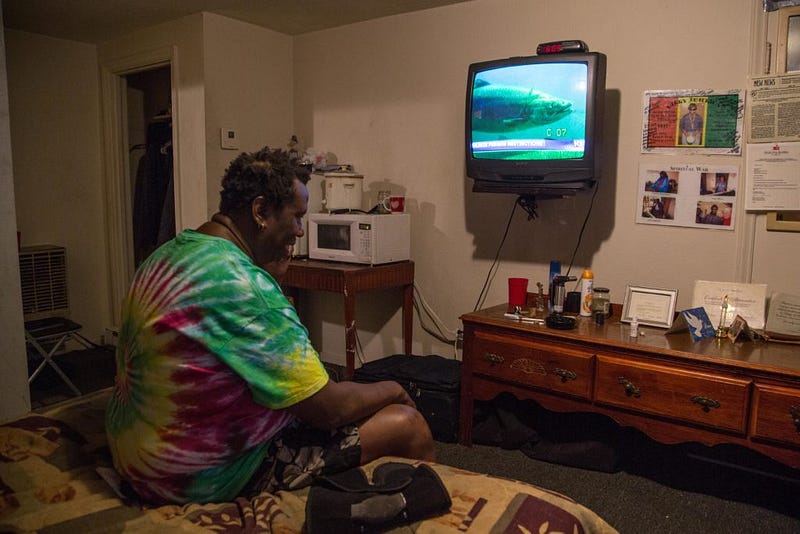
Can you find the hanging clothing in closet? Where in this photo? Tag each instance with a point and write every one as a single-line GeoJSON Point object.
{"type": "Point", "coordinates": [153, 202]}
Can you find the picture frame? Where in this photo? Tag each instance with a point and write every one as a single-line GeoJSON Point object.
{"type": "Point", "coordinates": [788, 54]}
{"type": "Point", "coordinates": [788, 60]}
{"type": "Point", "coordinates": [783, 221]}
{"type": "Point", "coordinates": [649, 306]}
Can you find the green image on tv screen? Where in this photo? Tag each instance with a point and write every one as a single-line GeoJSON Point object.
{"type": "Point", "coordinates": [530, 112]}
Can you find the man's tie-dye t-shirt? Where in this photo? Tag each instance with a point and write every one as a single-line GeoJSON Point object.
{"type": "Point", "coordinates": [209, 353]}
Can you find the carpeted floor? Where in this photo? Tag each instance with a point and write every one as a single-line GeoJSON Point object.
{"type": "Point", "coordinates": [677, 493]}
{"type": "Point", "coordinates": [657, 488]}
{"type": "Point", "coordinates": [89, 370]}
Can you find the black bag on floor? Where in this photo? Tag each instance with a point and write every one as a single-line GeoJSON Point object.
{"type": "Point", "coordinates": [431, 381]}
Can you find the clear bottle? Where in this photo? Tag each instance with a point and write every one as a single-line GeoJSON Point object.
{"type": "Point", "coordinates": [587, 290]}
{"type": "Point", "coordinates": [634, 328]}
{"type": "Point", "coordinates": [601, 301]}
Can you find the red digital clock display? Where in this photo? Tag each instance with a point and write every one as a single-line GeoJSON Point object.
{"type": "Point", "coordinates": [550, 48]}
{"type": "Point", "coordinates": [561, 47]}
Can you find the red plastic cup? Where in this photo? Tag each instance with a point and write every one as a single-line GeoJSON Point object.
{"type": "Point", "coordinates": [517, 292]}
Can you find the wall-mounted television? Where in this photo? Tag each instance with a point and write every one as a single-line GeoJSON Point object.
{"type": "Point", "coordinates": [534, 124]}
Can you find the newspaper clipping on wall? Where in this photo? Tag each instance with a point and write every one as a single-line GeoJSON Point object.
{"type": "Point", "coordinates": [773, 150]}
{"type": "Point", "coordinates": [692, 195]}
{"type": "Point", "coordinates": [773, 109]}
{"type": "Point", "coordinates": [693, 121]}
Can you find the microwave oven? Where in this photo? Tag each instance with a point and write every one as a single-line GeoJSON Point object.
{"type": "Point", "coordinates": [359, 237]}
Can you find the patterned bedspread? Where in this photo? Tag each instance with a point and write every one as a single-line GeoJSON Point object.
{"type": "Point", "coordinates": [50, 481]}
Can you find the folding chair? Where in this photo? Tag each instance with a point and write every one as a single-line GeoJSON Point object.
{"type": "Point", "coordinates": [53, 332]}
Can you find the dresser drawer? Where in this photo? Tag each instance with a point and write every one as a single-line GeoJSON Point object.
{"type": "Point", "coordinates": [776, 414]}
{"type": "Point", "coordinates": [556, 368]}
{"type": "Point", "coordinates": [709, 399]}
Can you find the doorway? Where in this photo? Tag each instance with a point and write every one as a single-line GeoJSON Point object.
{"type": "Point", "coordinates": [143, 78]}
{"type": "Point", "coordinates": [149, 114]}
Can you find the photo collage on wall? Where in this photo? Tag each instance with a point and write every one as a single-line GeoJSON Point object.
{"type": "Point", "coordinates": [697, 196]}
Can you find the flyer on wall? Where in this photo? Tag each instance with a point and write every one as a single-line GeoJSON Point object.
{"type": "Point", "coordinates": [773, 177]}
{"type": "Point", "coordinates": [772, 108]}
{"type": "Point", "coordinates": [693, 121]}
{"type": "Point", "coordinates": [691, 195]}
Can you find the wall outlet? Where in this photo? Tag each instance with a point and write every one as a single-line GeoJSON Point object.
{"type": "Point", "coordinates": [228, 139]}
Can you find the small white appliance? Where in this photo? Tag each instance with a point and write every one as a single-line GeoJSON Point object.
{"type": "Point", "coordinates": [343, 191]}
{"type": "Point", "coordinates": [359, 238]}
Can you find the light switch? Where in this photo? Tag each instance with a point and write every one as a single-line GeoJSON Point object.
{"type": "Point", "coordinates": [228, 139]}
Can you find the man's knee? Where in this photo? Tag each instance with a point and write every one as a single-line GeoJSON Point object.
{"type": "Point", "coordinates": [418, 435]}
{"type": "Point", "coordinates": [398, 430]}
{"type": "Point", "coordinates": [412, 418]}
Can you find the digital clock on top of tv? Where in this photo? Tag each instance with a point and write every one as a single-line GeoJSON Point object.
{"type": "Point", "coordinates": [561, 47]}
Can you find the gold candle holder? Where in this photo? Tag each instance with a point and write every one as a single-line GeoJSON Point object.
{"type": "Point", "coordinates": [722, 331]}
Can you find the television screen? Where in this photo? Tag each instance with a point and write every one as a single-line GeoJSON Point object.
{"type": "Point", "coordinates": [531, 111]}
{"type": "Point", "coordinates": [535, 123]}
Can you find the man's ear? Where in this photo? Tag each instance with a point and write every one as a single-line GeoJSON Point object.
{"type": "Point", "coordinates": [260, 211]}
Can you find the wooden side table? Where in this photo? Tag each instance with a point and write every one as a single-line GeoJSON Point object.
{"type": "Point", "coordinates": [350, 279]}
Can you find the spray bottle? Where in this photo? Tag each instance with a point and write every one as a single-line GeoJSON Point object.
{"type": "Point", "coordinates": [587, 290]}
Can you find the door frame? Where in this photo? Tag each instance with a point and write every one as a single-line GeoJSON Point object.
{"type": "Point", "coordinates": [116, 164]}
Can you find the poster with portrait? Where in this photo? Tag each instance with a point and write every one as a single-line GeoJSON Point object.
{"type": "Point", "coordinates": [691, 195]}
{"type": "Point", "coordinates": [693, 121]}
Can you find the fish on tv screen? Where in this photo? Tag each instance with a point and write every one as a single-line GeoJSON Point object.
{"type": "Point", "coordinates": [530, 112]}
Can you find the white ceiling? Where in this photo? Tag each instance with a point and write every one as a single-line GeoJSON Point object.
{"type": "Point", "coordinates": [96, 21]}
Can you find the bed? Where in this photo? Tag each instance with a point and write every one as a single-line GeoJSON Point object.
{"type": "Point", "coordinates": [53, 463]}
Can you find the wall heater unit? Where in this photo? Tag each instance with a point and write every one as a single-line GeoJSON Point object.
{"type": "Point", "coordinates": [43, 274]}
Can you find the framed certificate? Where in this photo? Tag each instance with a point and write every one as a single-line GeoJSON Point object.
{"type": "Point", "coordinates": [649, 306]}
{"type": "Point", "coordinates": [747, 300]}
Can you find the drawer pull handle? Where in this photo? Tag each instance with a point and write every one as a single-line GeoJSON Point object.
{"type": "Point", "coordinates": [493, 358]}
{"type": "Point", "coordinates": [565, 374]}
{"type": "Point", "coordinates": [706, 403]}
{"type": "Point", "coordinates": [630, 388]}
{"type": "Point", "coordinates": [795, 411]}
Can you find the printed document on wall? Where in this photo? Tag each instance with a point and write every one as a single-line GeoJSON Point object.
{"type": "Point", "coordinates": [773, 177]}
{"type": "Point", "coordinates": [773, 108]}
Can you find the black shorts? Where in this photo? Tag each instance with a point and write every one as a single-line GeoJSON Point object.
{"type": "Point", "coordinates": [299, 453]}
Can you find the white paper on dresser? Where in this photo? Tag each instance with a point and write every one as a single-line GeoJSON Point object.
{"type": "Point", "coordinates": [747, 300]}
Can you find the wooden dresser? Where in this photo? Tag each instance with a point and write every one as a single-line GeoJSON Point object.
{"type": "Point", "coordinates": [712, 391]}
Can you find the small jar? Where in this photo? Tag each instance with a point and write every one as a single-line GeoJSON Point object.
{"type": "Point", "coordinates": [601, 301]}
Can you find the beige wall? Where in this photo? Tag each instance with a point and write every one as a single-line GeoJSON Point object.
{"type": "Point", "coordinates": [14, 394]}
{"type": "Point", "coordinates": [388, 97]}
{"type": "Point", "coordinates": [248, 86]}
{"type": "Point", "coordinates": [55, 139]}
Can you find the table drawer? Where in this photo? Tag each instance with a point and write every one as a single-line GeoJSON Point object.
{"type": "Point", "coordinates": [555, 368]}
{"type": "Point", "coordinates": [710, 399]}
{"type": "Point", "coordinates": [776, 414]}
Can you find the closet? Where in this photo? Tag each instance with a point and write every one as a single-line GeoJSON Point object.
{"type": "Point", "coordinates": [150, 155]}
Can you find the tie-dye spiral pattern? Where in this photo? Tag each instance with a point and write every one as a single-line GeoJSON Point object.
{"type": "Point", "coordinates": [209, 353]}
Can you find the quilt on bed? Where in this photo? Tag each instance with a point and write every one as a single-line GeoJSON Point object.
{"type": "Point", "coordinates": [50, 481]}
